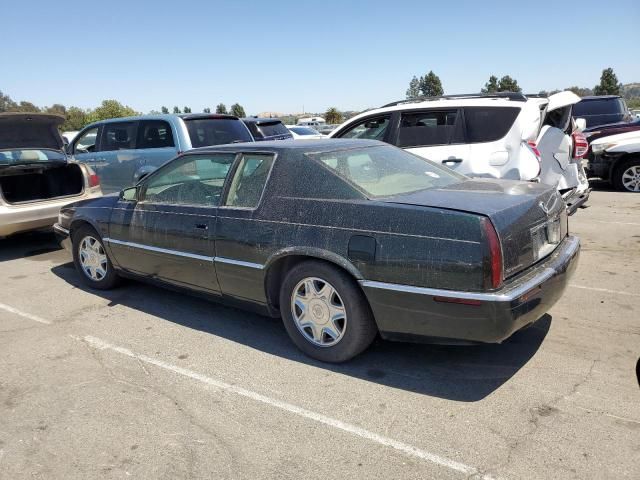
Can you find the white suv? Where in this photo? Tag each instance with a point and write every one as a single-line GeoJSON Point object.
{"type": "Point", "coordinates": [504, 135]}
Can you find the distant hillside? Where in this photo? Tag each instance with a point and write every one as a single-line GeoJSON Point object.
{"type": "Point", "coordinates": [631, 90]}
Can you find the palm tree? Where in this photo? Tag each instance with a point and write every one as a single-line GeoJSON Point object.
{"type": "Point", "coordinates": [333, 116]}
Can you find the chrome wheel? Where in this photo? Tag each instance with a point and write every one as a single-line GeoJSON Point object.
{"type": "Point", "coordinates": [318, 312]}
{"type": "Point", "coordinates": [93, 259]}
{"type": "Point", "coordinates": [631, 178]}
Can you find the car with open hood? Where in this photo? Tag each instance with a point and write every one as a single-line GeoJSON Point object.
{"type": "Point", "coordinates": [500, 135]}
{"type": "Point", "coordinates": [36, 177]}
{"type": "Point", "coordinates": [343, 239]}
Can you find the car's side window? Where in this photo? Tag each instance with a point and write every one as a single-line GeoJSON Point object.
{"type": "Point", "coordinates": [190, 180]}
{"type": "Point", "coordinates": [422, 129]}
{"type": "Point", "coordinates": [154, 134]}
{"type": "Point", "coordinates": [370, 128]}
{"type": "Point", "coordinates": [488, 124]}
{"type": "Point", "coordinates": [118, 136]}
{"type": "Point", "coordinates": [87, 142]}
{"type": "Point", "coordinates": [249, 180]}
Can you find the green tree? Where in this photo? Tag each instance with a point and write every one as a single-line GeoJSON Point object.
{"type": "Point", "coordinates": [110, 109]}
{"type": "Point", "coordinates": [75, 119]}
{"type": "Point", "coordinates": [186, 110]}
{"type": "Point", "coordinates": [26, 107]}
{"type": "Point", "coordinates": [176, 110]}
{"type": "Point", "coordinates": [430, 85]}
{"type": "Point", "coordinates": [237, 110]}
{"type": "Point", "coordinates": [414, 88]}
{"type": "Point", "coordinates": [56, 109]}
{"type": "Point", "coordinates": [581, 92]}
{"type": "Point", "coordinates": [206, 110]}
{"type": "Point", "coordinates": [608, 83]}
{"type": "Point", "coordinates": [333, 116]}
{"type": "Point", "coordinates": [221, 109]}
{"type": "Point", "coordinates": [491, 86]}
{"type": "Point", "coordinates": [6, 104]}
{"type": "Point", "coordinates": [164, 109]}
{"type": "Point", "coordinates": [508, 84]}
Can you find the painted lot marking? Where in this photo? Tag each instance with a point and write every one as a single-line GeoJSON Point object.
{"type": "Point", "coordinates": [605, 290]}
{"type": "Point", "coordinates": [15, 311]}
{"type": "Point", "coordinates": [290, 408]}
{"type": "Point", "coordinates": [616, 223]}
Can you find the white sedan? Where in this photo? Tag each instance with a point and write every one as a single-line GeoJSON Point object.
{"type": "Point", "coordinates": [300, 132]}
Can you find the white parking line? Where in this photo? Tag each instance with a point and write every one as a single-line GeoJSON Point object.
{"type": "Point", "coordinates": [288, 407]}
{"type": "Point", "coordinates": [616, 223]}
{"type": "Point", "coordinates": [15, 311]}
{"type": "Point", "coordinates": [605, 290]}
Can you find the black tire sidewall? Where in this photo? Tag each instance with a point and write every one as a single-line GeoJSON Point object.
{"type": "Point", "coordinates": [361, 328]}
{"type": "Point", "coordinates": [619, 170]}
{"type": "Point", "coordinates": [111, 278]}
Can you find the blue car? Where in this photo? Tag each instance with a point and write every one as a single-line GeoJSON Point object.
{"type": "Point", "coordinates": [124, 150]}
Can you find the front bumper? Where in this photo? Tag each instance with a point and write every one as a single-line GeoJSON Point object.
{"type": "Point", "coordinates": [411, 313]}
{"type": "Point", "coordinates": [62, 235]}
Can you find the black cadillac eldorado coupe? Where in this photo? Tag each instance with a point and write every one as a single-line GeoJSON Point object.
{"type": "Point", "coordinates": [344, 239]}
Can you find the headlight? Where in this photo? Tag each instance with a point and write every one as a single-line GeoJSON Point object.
{"type": "Point", "coordinates": [600, 147]}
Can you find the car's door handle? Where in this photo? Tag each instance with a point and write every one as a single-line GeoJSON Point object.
{"type": "Point", "coordinates": [452, 160]}
{"type": "Point", "coordinates": [202, 226]}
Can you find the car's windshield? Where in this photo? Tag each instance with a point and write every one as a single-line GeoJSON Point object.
{"type": "Point", "coordinates": [217, 131]}
{"type": "Point", "coordinates": [383, 171]}
{"type": "Point", "coordinates": [273, 128]}
{"type": "Point", "coordinates": [30, 155]}
{"type": "Point", "coordinates": [304, 131]}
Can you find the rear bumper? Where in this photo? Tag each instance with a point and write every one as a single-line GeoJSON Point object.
{"type": "Point", "coordinates": [62, 234]}
{"type": "Point", "coordinates": [405, 312]}
{"type": "Point", "coordinates": [576, 200]}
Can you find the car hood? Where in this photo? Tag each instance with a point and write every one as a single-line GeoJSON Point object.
{"type": "Point", "coordinates": [30, 131]}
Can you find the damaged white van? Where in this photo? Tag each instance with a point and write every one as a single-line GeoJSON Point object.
{"type": "Point", "coordinates": [502, 135]}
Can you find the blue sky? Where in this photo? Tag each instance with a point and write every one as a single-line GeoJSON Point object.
{"type": "Point", "coordinates": [281, 56]}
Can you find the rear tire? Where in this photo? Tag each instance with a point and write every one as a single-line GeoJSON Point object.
{"type": "Point", "coordinates": [626, 176]}
{"type": "Point", "coordinates": [325, 313]}
{"type": "Point", "coordinates": [91, 260]}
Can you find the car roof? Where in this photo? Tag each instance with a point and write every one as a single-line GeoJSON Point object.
{"type": "Point", "coordinates": [260, 120]}
{"type": "Point", "coordinates": [324, 145]}
{"type": "Point", "coordinates": [599, 97]}
{"type": "Point", "coordinates": [167, 116]}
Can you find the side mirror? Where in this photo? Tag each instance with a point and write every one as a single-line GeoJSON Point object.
{"type": "Point", "coordinates": [581, 123]}
{"type": "Point", "coordinates": [129, 194]}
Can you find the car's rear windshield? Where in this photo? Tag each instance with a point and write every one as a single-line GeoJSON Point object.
{"type": "Point", "coordinates": [273, 128]}
{"type": "Point", "coordinates": [10, 157]}
{"type": "Point", "coordinates": [383, 171]}
{"type": "Point", "coordinates": [602, 106]}
{"type": "Point", "coordinates": [216, 131]}
{"type": "Point", "coordinates": [304, 131]}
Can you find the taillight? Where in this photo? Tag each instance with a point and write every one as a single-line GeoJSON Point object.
{"type": "Point", "coordinates": [493, 278]}
{"type": "Point", "coordinates": [94, 180]}
{"type": "Point", "coordinates": [580, 145]}
{"type": "Point", "coordinates": [534, 148]}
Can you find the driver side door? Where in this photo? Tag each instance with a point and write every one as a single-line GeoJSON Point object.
{"type": "Point", "coordinates": [168, 232]}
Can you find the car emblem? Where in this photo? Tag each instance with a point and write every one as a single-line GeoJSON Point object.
{"type": "Point", "coordinates": [546, 208]}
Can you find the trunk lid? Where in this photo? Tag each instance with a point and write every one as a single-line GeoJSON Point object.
{"type": "Point", "coordinates": [519, 211]}
{"type": "Point", "coordinates": [30, 131]}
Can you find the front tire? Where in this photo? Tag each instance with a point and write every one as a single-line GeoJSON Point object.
{"type": "Point", "coordinates": [91, 260]}
{"type": "Point", "coordinates": [325, 313]}
{"type": "Point", "coordinates": [626, 176]}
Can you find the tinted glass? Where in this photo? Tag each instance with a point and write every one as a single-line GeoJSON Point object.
{"type": "Point", "coordinates": [87, 142]}
{"type": "Point", "coordinates": [427, 128]}
{"type": "Point", "coordinates": [488, 124]}
{"type": "Point", "coordinates": [118, 136]}
{"type": "Point", "coordinates": [275, 128]}
{"type": "Point", "coordinates": [304, 131]}
{"type": "Point", "coordinates": [249, 181]}
{"type": "Point", "coordinates": [371, 128]}
{"type": "Point", "coordinates": [190, 180]}
{"type": "Point", "coordinates": [217, 131]}
{"type": "Point", "coordinates": [386, 170]}
{"type": "Point", "coordinates": [154, 134]}
{"type": "Point", "coordinates": [30, 155]}
{"type": "Point", "coordinates": [597, 107]}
